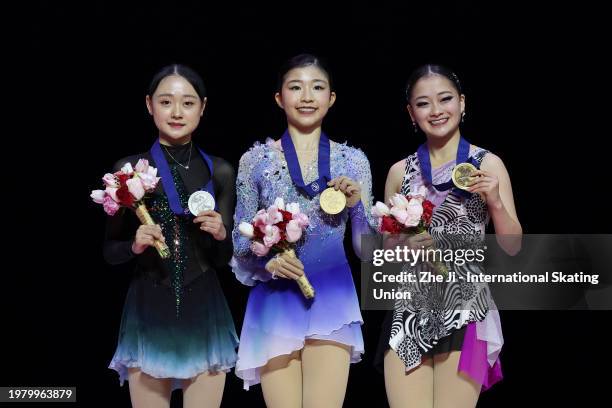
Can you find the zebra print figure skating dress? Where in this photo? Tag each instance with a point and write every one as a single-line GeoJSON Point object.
{"type": "Point", "coordinates": [445, 317]}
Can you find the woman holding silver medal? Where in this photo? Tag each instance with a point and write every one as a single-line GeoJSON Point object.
{"type": "Point", "coordinates": [300, 348]}
{"type": "Point", "coordinates": [176, 330]}
{"type": "Point", "coordinates": [442, 349]}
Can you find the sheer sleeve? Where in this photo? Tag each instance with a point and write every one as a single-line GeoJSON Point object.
{"type": "Point", "coordinates": [247, 267]}
{"type": "Point", "coordinates": [362, 222]}
{"type": "Point", "coordinates": [225, 195]}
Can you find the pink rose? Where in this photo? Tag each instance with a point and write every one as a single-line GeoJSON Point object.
{"type": "Point", "coordinates": [274, 215]}
{"type": "Point", "coordinates": [294, 231]}
{"type": "Point", "coordinates": [136, 188]}
{"type": "Point", "coordinates": [142, 166]}
{"type": "Point", "coordinates": [399, 201]}
{"type": "Point", "coordinates": [148, 174]}
{"type": "Point", "coordinates": [414, 212]}
{"type": "Point", "coordinates": [259, 249]}
{"type": "Point", "coordinates": [261, 220]}
{"type": "Point", "coordinates": [112, 192]}
{"type": "Point", "coordinates": [272, 235]}
{"type": "Point", "coordinates": [110, 205]}
{"type": "Point", "coordinates": [110, 180]}
{"type": "Point", "coordinates": [301, 218]}
{"type": "Point", "coordinates": [401, 215]}
{"type": "Point", "coordinates": [98, 196]}
{"type": "Point", "coordinates": [149, 182]}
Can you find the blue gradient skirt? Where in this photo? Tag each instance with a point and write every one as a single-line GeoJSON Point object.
{"type": "Point", "coordinates": [202, 338]}
{"type": "Point", "coordinates": [279, 319]}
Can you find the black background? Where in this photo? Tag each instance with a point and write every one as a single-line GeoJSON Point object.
{"type": "Point", "coordinates": [529, 73]}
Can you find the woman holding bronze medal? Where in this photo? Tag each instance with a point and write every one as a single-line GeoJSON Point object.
{"type": "Point", "coordinates": [443, 348]}
{"type": "Point", "coordinates": [176, 330]}
{"type": "Point", "coordinates": [300, 348]}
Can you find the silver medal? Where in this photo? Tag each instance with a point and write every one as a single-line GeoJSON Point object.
{"type": "Point", "coordinates": [200, 201]}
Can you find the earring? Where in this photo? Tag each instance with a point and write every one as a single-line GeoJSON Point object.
{"type": "Point", "coordinates": [463, 117]}
{"type": "Point", "coordinates": [416, 129]}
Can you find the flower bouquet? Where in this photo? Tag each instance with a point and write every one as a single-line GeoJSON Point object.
{"type": "Point", "coordinates": [127, 188]}
{"type": "Point", "coordinates": [278, 228]}
{"type": "Point", "coordinates": [407, 214]}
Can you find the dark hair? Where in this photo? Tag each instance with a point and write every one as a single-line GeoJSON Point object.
{"type": "Point", "coordinates": [300, 61]}
{"type": "Point", "coordinates": [428, 70]}
{"type": "Point", "coordinates": [183, 71]}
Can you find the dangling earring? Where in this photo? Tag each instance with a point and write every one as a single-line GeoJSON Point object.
{"type": "Point", "coordinates": [463, 117]}
{"type": "Point", "coordinates": [416, 129]}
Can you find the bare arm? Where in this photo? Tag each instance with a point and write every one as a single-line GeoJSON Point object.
{"type": "Point", "coordinates": [494, 184]}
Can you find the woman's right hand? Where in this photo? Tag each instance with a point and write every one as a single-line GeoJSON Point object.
{"type": "Point", "coordinates": [285, 266]}
{"type": "Point", "coordinates": [145, 237]}
{"type": "Point", "coordinates": [412, 241]}
{"type": "Point", "coordinates": [420, 241]}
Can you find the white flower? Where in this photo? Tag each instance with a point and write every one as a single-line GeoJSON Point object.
{"type": "Point", "coordinates": [127, 169]}
{"type": "Point", "coordinates": [142, 166]}
{"type": "Point", "coordinates": [414, 213]}
{"type": "Point", "coordinates": [246, 229]}
{"type": "Point", "coordinates": [399, 201]}
{"type": "Point", "coordinates": [136, 188]}
{"type": "Point", "coordinates": [110, 180]}
{"type": "Point", "coordinates": [279, 203]}
{"type": "Point", "coordinates": [380, 210]}
{"type": "Point", "coordinates": [98, 196]}
{"type": "Point", "coordinates": [293, 208]}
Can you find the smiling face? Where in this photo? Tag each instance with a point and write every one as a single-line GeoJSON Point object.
{"type": "Point", "coordinates": [305, 97]}
{"type": "Point", "coordinates": [176, 109]}
{"type": "Point", "coordinates": [436, 106]}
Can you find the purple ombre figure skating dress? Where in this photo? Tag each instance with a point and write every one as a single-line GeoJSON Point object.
{"type": "Point", "coordinates": [278, 318]}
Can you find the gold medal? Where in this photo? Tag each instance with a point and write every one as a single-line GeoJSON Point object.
{"type": "Point", "coordinates": [332, 201]}
{"type": "Point", "coordinates": [463, 175]}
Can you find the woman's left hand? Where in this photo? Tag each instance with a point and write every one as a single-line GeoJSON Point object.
{"type": "Point", "coordinates": [487, 185]}
{"type": "Point", "coordinates": [350, 188]}
{"type": "Point", "coordinates": [211, 221]}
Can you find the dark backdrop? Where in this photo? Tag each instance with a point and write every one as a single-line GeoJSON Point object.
{"type": "Point", "coordinates": [527, 69]}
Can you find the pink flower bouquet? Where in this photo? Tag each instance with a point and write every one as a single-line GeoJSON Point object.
{"type": "Point", "coordinates": [410, 214]}
{"type": "Point", "coordinates": [278, 228]}
{"type": "Point", "coordinates": [127, 188]}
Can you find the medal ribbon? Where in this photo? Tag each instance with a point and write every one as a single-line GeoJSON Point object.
{"type": "Point", "coordinates": [166, 178]}
{"type": "Point", "coordinates": [463, 152]}
{"type": "Point", "coordinates": [293, 163]}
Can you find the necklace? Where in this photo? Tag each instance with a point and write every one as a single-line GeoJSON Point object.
{"type": "Point", "coordinates": [186, 167]}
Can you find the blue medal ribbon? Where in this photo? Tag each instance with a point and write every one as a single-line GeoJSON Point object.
{"type": "Point", "coordinates": [168, 183]}
{"type": "Point", "coordinates": [463, 153]}
{"type": "Point", "coordinates": [293, 163]}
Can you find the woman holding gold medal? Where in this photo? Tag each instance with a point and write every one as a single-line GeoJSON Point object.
{"type": "Point", "coordinates": [176, 330]}
{"type": "Point", "coordinates": [443, 348]}
{"type": "Point", "coordinates": [300, 348]}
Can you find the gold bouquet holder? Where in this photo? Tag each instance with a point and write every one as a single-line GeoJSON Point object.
{"type": "Point", "coordinates": [145, 218]}
{"type": "Point", "coordinates": [305, 286]}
